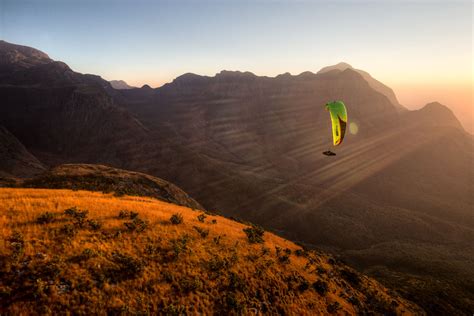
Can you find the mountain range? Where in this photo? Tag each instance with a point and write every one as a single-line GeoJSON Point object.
{"type": "Point", "coordinates": [396, 201]}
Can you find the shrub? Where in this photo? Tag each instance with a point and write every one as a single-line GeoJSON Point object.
{"type": "Point", "coordinates": [126, 268]}
{"type": "Point", "coordinates": [334, 307]}
{"type": "Point", "coordinates": [254, 234]}
{"type": "Point", "coordinates": [190, 284]}
{"type": "Point", "coordinates": [45, 218]}
{"type": "Point", "coordinates": [217, 264]}
{"type": "Point", "coordinates": [94, 225]}
{"type": "Point", "coordinates": [236, 283]}
{"type": "Point", "coordinates": [16, 244]}
{"type": "Point", "coordinates": [68, 230]}
{"type": "Point", "coordinates": [176, 219]}
{"type": "Point", "coordinates": [350, 277]}
{"type": "Point", "coordinates": [299, 252]}
{"type": "Point", "coordinates": [321, 287]}
{"type": "Point", "coordinates": [201, 217]}
{"type": "Point", "coordinates": [78, 215]}
{"type": "Point", "coordinates": [303, 286]}
{"type": "Point", "coordinates": [137, 224]}
{"type": "Point", "coordinates": [285, 259]}
{"type": "Point", "coordinates": [233, 303]}
{"type": "Point", "coordinates": [214, 221]}
{"type": "Point", "coordinates": [287, 251]}
{"type": "Point", "coordinates": [174, 310]}
{"type": "Point", "coordinates": [201, 231]}
{"type": "Point", "coordinates": [179, 245]}
{"type": "Point", "coordinates": [123, 214]}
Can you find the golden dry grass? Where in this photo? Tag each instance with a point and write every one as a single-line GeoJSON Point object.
{"type": "Point", "coordinates": [165, 269]}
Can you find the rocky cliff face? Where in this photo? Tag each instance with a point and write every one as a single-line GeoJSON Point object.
{"type": "Point", "coordinates": [63, 116]}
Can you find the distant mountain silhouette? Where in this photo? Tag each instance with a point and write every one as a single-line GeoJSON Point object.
{"type": "Point", "coordinates": [375, 84]}
{"type": "Point", "coordinates": [396, 200]}
{"type": "Point", "coordinates": [120, 84]}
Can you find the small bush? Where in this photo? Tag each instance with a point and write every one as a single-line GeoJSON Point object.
{"type": "Point", "coordinates": [299, 252]}
{"type": "Point", "coordinates": [350, 277]}
{"type": "Point", "coordinates": [123, 214]}
{"type": "Point", "coordinates": [137, 225]}
{"type": "Point", "coordinates": [45, 218]}
{"type": "Point", "coordinates": [78, 215]}
{"type": "Point", "coordinates": [176, 219]}
{"type": "Point", "coordinates": [179, 245]}
{"type": "Point", "coordinates": [254, 234]}
{"type": "Point", "coordinates": [16, 244]}
{"type": "Point", "coordinates": [174, 310]}
{"type": "Point", "coordinates": [334, 307]}
{"type": "Point", "coordinates": [201, 231]}
{"type": "Point", "coordinates": [68, 230]}
{"type": "Point", "coordinates": [214, 221]}
{"type": "Point", "coordinates": [287, 251]}
{"type": "Point", "coordinates": [201, 217]}
{"type": "Point", "coordinates": [94, 225]}
{"type": "Point", "coordinates": [303, 286]}
{"type": "Point", "coordinates": [126, 268]}
{"type": "Point", "coordinates": [321, 287]}
{"type": "Point", "coordinates": [190, 284]}
{"type": "Point", "coordinates": [236, 283]}
{"type": "Point", "coordinates": [285, 259]}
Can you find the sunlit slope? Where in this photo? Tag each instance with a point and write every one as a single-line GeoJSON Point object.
{"type": "Point", "coordinates": [130, 254]}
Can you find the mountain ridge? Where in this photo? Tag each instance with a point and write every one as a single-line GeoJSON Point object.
{"type": "Point", "coordinates": [251, 147]}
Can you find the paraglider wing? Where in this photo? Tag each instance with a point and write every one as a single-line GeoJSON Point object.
{"type": "Point", "coordinates": [338, 113]}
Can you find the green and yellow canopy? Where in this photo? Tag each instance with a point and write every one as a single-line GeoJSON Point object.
{"type": "Point", "coordinates": [338, 113]}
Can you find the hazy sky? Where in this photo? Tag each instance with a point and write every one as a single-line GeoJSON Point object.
{"type": "Point", "coordinates": [423, 50]}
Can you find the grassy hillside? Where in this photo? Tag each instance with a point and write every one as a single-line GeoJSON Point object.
{"type": "Point", "coordinates": [89, 252]}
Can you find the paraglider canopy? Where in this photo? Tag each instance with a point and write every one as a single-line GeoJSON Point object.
{"type": "Point", "coordinates": [338, 113]}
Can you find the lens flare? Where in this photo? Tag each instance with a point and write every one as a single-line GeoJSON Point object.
{"type": "Point", "coordinates": [353, 128]}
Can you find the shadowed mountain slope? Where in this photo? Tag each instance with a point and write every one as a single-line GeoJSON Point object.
{"type": "Point", "coordinates": [251, 147]}
{"type": "Point", "coordinates": [15, 158]}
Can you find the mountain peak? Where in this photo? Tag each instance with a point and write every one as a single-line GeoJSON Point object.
{"type": "Point", "coordinates": [235, 74]}
{"type": "Point", "coordinates": [437, 114]}
{"type": "Point", "coordinates": [339, 66]}
{"type": "Point", "coordinates": [120, 85]}
{"type": "Point", "coordinates": [21, 56]}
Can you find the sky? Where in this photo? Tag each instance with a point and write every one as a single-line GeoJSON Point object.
{"type": "Point", "coordinates": [422, 50]}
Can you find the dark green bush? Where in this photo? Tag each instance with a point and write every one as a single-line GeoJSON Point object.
{"type": "Point", "coordinates": [285, 259]}
{"type": "Point", "coordinates": [94, 225]}
{"type": "Point", "coordinates": [190, 284]}
{"type": "Point", "coordinates": [334, 307]}
{"type": "Point", "coordinates": [78, 216]}
{"type": "Point", "coordinates": [45, 218]}
{"type": "Point", "coordinates": [254, 234]}
{"type": "Point", "coordinates": [17, 244]}
{"type": "Point", "coordinates": [321, 287]}
{"type": "Point", "coordinates": [201, 217]}
{"type": "Point", "coordinates": [137, 225]}
{"type": "Point", "coordinates": [201, 231]}
{"type": "Point", "coordinates": [68, 230]}
{"type": "Point", "coordinates": [176, 219]}
{"type": "Point", "coordinates": [350, 277]}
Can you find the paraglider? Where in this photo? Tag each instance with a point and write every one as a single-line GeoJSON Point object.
{"type": "Point", "coordinates": [337, 111]}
